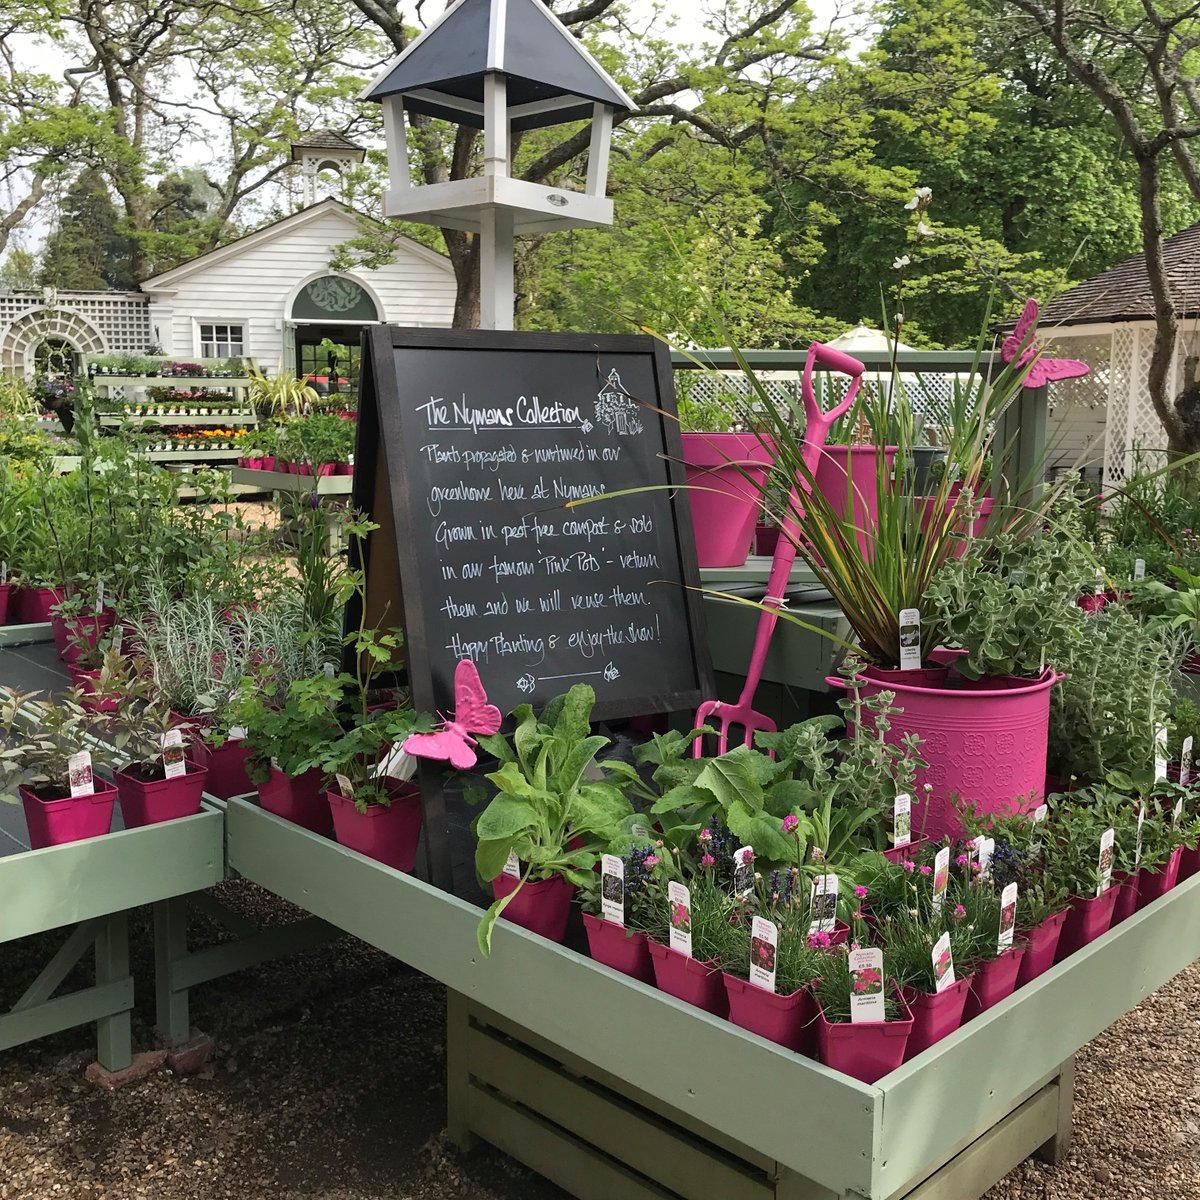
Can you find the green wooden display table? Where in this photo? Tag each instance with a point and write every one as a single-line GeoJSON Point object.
{"type": "Point", "coordinates": [611, 1088]}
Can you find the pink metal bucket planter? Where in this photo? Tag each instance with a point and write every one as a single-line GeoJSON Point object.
{"type": "Point", "coordinates": [726, 474]}
{"type": "Point", "coordinates": [984, 741]}
{"type": "Point", "coordinates": [848, 478]}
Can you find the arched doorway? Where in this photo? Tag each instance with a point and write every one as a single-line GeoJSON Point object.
{"type": "Point", "coordinates": [329, 313]}
{"type": "Point", "coordinates": [45, 338]}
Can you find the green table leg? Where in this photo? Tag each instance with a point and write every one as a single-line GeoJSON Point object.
{"type": "Point", "coordinates": [458, 1072]}
{"type": "Point", "coordinates": [114, 1036]}
{"type": "Point", "coordinates": [170, 947]}
{"type": "Point", "coordinates": [1055, 1150]}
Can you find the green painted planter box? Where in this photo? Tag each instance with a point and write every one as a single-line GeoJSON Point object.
{"type": "Point", "coordinates": [539, 1035]}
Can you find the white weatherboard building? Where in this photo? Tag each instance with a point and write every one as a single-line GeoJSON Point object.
{"type": "Point", "coordinates": [269, 295]}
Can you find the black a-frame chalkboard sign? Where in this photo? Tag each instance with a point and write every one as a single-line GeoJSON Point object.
{"type": "Point", "coordinates": [470, 444]}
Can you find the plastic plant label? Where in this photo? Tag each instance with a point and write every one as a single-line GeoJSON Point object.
{"type": "Point", "coordinates": [680, 901]}
{"type": "Point", "coordinates": [396, 764]}
{"type": "Point", "coordinates": [1016, 577]}
{"type": "Point", "coordinates": [512, 865]}
{"type": "Point", "coordinates": [1139, 568]}
{"type": "Point", "coordinates": [79, 774]}
{"type": "Point", "coordinates": [866, 986]}
{"type": "Point", "coordinates": [328, 669]}
{"type": "Point", "coordinates": [275, 764]}
{"type": "Point", "coordinates": [100, 597]}
{"type": "Point", "coordinates": [237, 733]}
{"type": "Point", "coordinates": [941, 877]}
{"type": "Point", "coordinates": [764, 938]}
{"type": "Point", "coordinates": [118, 640]}
{"type": "Point", "coordinates": [743, 873]}
{"type": "Point", "coordinates": [345, 786]}
{"type": "Point", "coordinates": [943, 964]}
{"type": "Point", "coordinates": [1039, 818]}
{"type": "Point", "coordinates": [3, 573]}
{"type": "Point", "coordinates": [1008, 918]}
{"type": "Point", "coordinates": [985, 847]}
{"type": "Point", "coordinates": [902, 820]}
{"type": "Point", "coordinates": [1160, 752]}
{"type": "Point", "coordinates": [823, 904]}
{"type": "Point", "coordinates": [1104, 865]}
{"type": "Point", "coordinates": [612, 889]}
{"type": "Point", "coordinates": [1185, 762]}
{"type": "Point", "coordinates": [173, 755]}
{"type": "Point", "coordinates": [1100, 588]}
{"type": "Point", "coordinates": [640, 831]}
{"type": "Point", "coordinates": [1137, 847]}
{"type": "Point", "coordinates": [910, 639]}
{"type": "Point", "coordinates": [1177, 812]}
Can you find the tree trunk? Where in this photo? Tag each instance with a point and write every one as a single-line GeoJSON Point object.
{"type": "Point", "coordinates": [464, 257]}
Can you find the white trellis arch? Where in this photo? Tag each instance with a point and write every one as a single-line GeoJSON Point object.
{"type": "Point", "coordinates": [20, 341]}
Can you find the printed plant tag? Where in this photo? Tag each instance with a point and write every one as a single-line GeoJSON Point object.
{"type": "Point", "coordinates": [1039, 817]}
{"type": "Point", "coordinates": [1177, 812]}
{"type": "Point", "coordinates": [941, 877]}
{"type": "Point", "coordinates": [79, 774]}
{"type": "Point", "coordinates": [1137, 847]}
{"type": "Point", "coordinates": [396, 764]}
{"type": "Point", "coordinates": [345, 786]}
{"type": "Point", "coordinates": [943, 964]}
{"type": "Point", "coordinates": [328, 669]}
{"type": "Point", "coordinates": [173, 755]}
{"type": "Point", "coordinates": [100, 597]}
{"type": "Point", "coordinates": [743, 873]}
{"type": "Point", "coordinates": [910, 639]}
{"type": "Point", "coordinates": [1100, 588]}
{"type": "Point", "coordinates": [680, 900]}
{"type": "Point", "coordinates": [275, 763]}
{"type": "Point", "coordinates": [3, 573]}
{"type": "Point", "coordinates": [640, 831]}
{"type": "Point", "coordinates": [902, 820]}
{"type": "Point", "coordinates": [1016, 577]}
{"type": "Point", "coordinates": [1104, 865]}
{"type": "Point", "coordinates": [823, 904]}
{"type": "Point", "coordinates": [764, 938]}
{"type": "Point", "coordinates": [612, 889]}
{"type": "Point", "coordinates": [866, 986]}
{"type": "Point", "coordinates": [118, 640]}
{"type": "Point", "coordinates": [1008, 918]}
{"type": "Point", "coordinates": [1139, 568]}
{"type": "Point", "coordinates": [1185, 762]}
{"type": "Point", "coordinates": [985, 847]}
{"type": "Point", "coordinates": [237, 733]}
{"type": "Point", "coordinates": [512, 865]}
{"type": "Point", "coordinates": [1160, 752]}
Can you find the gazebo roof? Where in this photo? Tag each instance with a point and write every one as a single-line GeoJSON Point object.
{"type": "Point", "coordinates": [521, 39]}
{"type": "Point", "coordinates": [1122, 293]}
{"type": "Point", "coordinates": [328, 139]}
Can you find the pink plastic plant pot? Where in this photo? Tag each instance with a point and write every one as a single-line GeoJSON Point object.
{"type": "Point", "coordinates": [766, 538]}
{"type": "Point", "coordinates": [993, 981]}
{"type": "Point", "coordinates": [6, 590]}
{"type": "Point", "coordinates": [625, 950]}
{"type": "Point", "coordinates": [69, 819]}
{"type": "Point", "coordinates": [1189, 863]}
{"type": "Point", "coordinates": [935, 1015]}
{"type": "Point", "coordinates": [899, 854]}
{"type": "Point", "coordinates": [847, 477]}
{"type": "Point", "coordinates": [226, 768]}
{"type": "Point", "coordinates": [1127, 902]}
{"type": "Point", "coordinates": [726, 474]}
{"type": "Point", "coordinates": [68, 632]}
{"type": "Point", "coordinates": [325, 469]}
{"type": "Point", "coordinates": [33, 605]}
{"type": "Point", "coordinates": [149, 803]}
{"type": "Point", "coordinates": [1040, 949]}
{"type": "Point", "coordinates": [86, 682]}
{"type": "Point", "coordinates": [542, 905]}
{"type": "Point", "coordinates": [1093, 603]}
{"type": "Point", "coordinates": [343, 469]}
{"type": "Point", "coordinates": [868, 1051]}
{"type": "Point", "coordinates": [267, 462]}
{"type": "Point", "coordinates": [985, 740]}
{"type": "Point", "coordinates": [300, 800]}
{"type": "Point", "coordinates": [389, 835]}
{"type": "Point", "coordinates": [1154, 884]}
{"type": "Point", "coordinates": [1087, 918]}
{"type": "Point", "coordinates": [698, 983]}
{"type": "Point", "coordinates": [788, 1021]}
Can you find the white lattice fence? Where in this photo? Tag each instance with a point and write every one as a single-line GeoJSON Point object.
{"type": "Point", "coordinates": [90, 321]}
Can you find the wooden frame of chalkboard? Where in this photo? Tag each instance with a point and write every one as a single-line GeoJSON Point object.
{"type": "Point", "coordinates": [389, 432]}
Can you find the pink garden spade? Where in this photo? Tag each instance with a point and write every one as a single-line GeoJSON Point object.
{"type": "Point", "coordinates": [817, 426]}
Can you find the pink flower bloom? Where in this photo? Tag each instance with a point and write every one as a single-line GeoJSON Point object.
{"type": "Point", "coordinates": [970, 843]}
{"type": "Point", "coordinates": [860, 891]}
{"type": "Point", "coordinates": [855, 946]}
{"type": "Point", "coordinates": [860, 987]}
{"type": "Point", "coordinates": [963, 859]}
{"type": "Point", "coordinates": [977, 868]}
{"type": "Point", "coordinates": [959, 911]}
{"type": "Point", "coordinates": [651, 860]}
{"type": "Point", "coordinates": [909, 866]}
{"type": "Point", "coordinates": [747, 857]}
{"type": "Point", "coordinates": [926, 870]}
{"type": "Point", "coordinates": [707, 860]}
{"type": "Point", "coordinates": [818, 941]}
{"type": "Point", "coordinates": [790, 822]}
{"type": "Point", "coordinates": [818, 854]}
{"type": "Point", "coordinates": [858, 915]}
{"type": "Point", "coordinates": [705, 835]}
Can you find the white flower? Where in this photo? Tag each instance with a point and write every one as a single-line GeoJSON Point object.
{"type": "Point", "coordinates": [920, 196]}
{"type": "Point", "coordinates": [923, 230]}
{"type": "Point", "coordinates": [898, 318]}
{"type": "Point", "coordinates": [901, 262]}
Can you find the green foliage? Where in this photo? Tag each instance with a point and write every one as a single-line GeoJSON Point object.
{"type": "Point", "coordinates": [35, 749]}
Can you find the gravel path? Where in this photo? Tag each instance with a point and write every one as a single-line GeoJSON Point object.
{"type": "Point", "coordinates": [328, 1085]}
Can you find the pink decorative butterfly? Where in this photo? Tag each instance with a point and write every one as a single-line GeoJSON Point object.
{"type": "Point", "coordinates": [1045, 370]}
{"type": "Point", "coordinates": [472, 714]}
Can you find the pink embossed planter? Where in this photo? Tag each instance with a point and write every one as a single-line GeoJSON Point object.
{"type": "Point", "coordinates": [1041, 948]}
{"type": "Point", "coordinates": [69, 818]}
{"type": "Point", "coordinates": [786, 1020]}
{"type": "Point", "coordinates": [542, 905]}
{"type": "Point", "coordinates": [935, 1015]}
{"type": "Point", "coordinates": [726, 473]}
{"type": "Point", "coordinates": [699, 983]}
{"type": "Point", "coordinates": [984, 740]}
{"type": "Point", "coordinates": [625, 950]}
{"type": "Point", "coordinates": [867, 1051]}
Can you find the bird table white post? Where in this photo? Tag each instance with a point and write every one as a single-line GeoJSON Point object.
{"type": "Point", "coordinates": [496, 224]}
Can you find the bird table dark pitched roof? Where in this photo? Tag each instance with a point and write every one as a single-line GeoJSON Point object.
{"type": "Point", "coordinates": [326, 139]}
{"type": "Point", "coordinates": [1122, 293]}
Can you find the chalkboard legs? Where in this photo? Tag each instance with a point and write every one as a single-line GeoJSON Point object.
{"type": "Point", "coordinates": [437, 828]}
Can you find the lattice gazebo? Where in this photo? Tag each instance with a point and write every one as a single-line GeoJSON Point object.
{"type": "Point", "coordinates": [1108, 321]}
